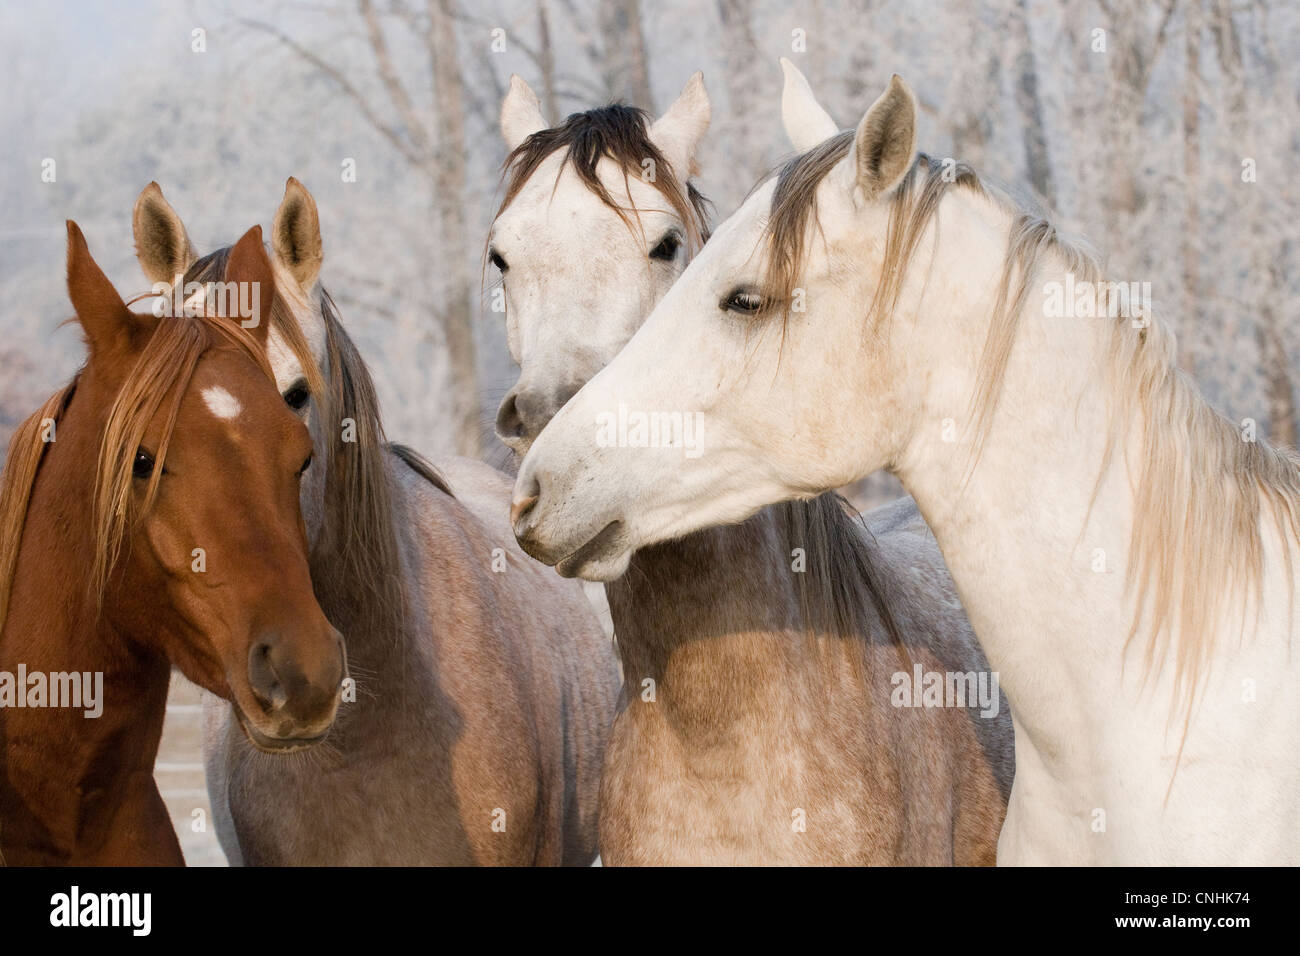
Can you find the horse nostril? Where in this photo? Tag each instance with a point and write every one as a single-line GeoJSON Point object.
{"type": "Point", "coordinates": [342, 647]}
{"type": "Point", "coordinates": [527, 492]}
{"type": "Point", "coordinates": [509, 424]}
{"type": "Point", "coordinates": [263, 679]}
{"type": "Point", "coordinates": [520, 508]}
{"type": "Point", "coordinates": [524, 413]}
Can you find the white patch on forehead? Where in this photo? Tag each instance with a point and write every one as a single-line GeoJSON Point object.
{"type": "Point", "coordinates": [221, 403]}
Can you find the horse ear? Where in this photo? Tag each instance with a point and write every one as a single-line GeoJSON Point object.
{"type": "Point", "coordinates": [680, 130]}
{"type": "Point", "coordinates": [161, 243]}
{"type": "Point", "coordinates": [885, 143]}
{"type": "Point", "coordinates": [521, 113]}
{"type": "Point", "coordinates": [806, 123]}
{"type": "Point", "coordinates": [249, 263]}
{"type": "Point", "coordinates": [295, 234]}
{"type": "Point", "coordinates": [104, 317]}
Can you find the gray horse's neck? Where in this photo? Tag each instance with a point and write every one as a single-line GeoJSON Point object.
{"type": "Point", "coordinates": [712, 619]}
{"type": "Point", "coordinates": [379, 644]}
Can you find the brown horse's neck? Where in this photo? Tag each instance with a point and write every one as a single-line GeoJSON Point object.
{"type": "Point", "coordinates": [75, 788]}
{"type": "Point", "coordinates": [713, 620]}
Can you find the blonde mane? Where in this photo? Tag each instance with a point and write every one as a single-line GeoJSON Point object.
{"type": "Point", "coordinates": [26, 451]}
{"type": "Point", "coordinates": [1200, 488]}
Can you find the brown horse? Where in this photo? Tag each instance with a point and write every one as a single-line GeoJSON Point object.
{"type": "Point", "coordinates": [150, 518]}
{"type": "Point", "coordinates": [485, 685]}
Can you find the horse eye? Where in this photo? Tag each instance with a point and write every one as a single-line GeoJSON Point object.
{"type": "Point", "coordinates": [305, 465]}
{"type": "Point", "coordinates": [495, 258]}
{"type": "Point", "coordinates": [297, 395]}
{"type": "Point", "coordinates": [667, 248]}
{"type": "Point", "coordinates": [142, 467]}
{"type": "Point", "coordinates": [744, 302]}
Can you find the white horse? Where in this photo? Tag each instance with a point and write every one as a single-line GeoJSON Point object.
{"type": "Point", "coordinates": [759, 726]}
{"type": "Point", "coordinates": [1125, 556]}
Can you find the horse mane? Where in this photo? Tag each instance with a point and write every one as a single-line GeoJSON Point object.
{"type": "Point", "coordinates": [421, 466]}
{"type": "Point", "coordinates": [26, 452]}
{"type": "Point", "coordinates": [165, 366]}
{"type": "Point", "coordinates": [840, 573]}
{"type": "Point", "coordinates": [1201, 489]}
{"type": "Point", "coordinates": [619, 133]}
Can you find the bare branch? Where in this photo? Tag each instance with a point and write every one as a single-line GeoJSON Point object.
{"type": "Point", "coordinates": [392, 135]}
{"type": "Point", "coordinates": [396, 92]}
{"type": "Point", "coordinates": [1161, 33]}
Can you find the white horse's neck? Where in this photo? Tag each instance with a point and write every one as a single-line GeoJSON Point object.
{"type": "Point", "coordinates": [1041, 568]}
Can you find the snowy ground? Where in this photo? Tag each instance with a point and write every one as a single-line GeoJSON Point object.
{"type": "Point", "coordinates": [179, 772]}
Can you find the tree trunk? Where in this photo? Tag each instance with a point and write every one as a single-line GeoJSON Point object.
{"type": "Point", "coordinates": [1273, 359]}
{"type": "Point", "coordinates": [625, 67]}
{"type": "Point", "coordinates": [456, 313]}
{"type": "Point", "coordinates": [746, 75]}
{"type": "Point", "coordinates": [1191, 187]}
{"type": "Point", "coordinates": [546, 63]}
{"type": "Point", "coordinates": [1125, 108]}
{"type": "Point", "coordinates": [1030, 104]}
{"type": "Point", "coordinates": [1276, 366]}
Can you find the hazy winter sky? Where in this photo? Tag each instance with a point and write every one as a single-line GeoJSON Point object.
{"type": "Point", "coordinates": [112, 92]}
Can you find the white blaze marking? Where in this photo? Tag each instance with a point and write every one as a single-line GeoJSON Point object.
{"type": "Point", "coordinates": [221, 403]}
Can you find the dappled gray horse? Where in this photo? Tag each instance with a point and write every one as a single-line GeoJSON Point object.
{"type": "Point", "coordinates": [763, 659]}
{"type": "Point", "coordinates": [485, 686]}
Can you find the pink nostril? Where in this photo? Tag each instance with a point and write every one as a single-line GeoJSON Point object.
{"type": "Point", "coordinates": [520, 508]}
{"type": "Point", "coordinates": [527, 490]}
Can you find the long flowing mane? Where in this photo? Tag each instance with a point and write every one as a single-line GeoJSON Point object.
{"type": "Point", "coordinates": [619, 133]}
{"type": "Point", "coordinates": [161, 373]}
{"type": "Point", "coordinates": [840, 580]}
{"type": "Point", "coordinates": [1201, 490]}
{"type": "Point", "coordinates": [26, 452]}
{"type": "Point", "coordinates": [360, 538]}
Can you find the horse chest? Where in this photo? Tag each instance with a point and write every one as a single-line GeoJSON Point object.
{"type": "Point", "coordinates": [765, 796]}
{"type": "Point", "coordinates": [384, 808]}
